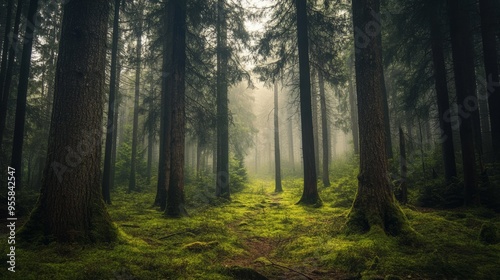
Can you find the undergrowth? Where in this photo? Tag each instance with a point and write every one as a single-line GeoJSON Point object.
{"type": "Point", "coordinates": [263, 233]}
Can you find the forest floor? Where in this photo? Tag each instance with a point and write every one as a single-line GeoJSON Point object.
{"type": "Point", "coordinates": [265, 235]}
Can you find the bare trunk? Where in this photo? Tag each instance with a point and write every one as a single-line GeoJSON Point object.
{"type": "Point", "coordinates": [111, 124]}
{"type": "Point", "coordinates": [310, 194]}
{"type": "Point", "coordinates": [291, 158]}
{"type": "Point", "coordinates": [324, 127]}
{"type": "Point", "coordinates": [490, 25]}
{"type": "Point", "coordinates": [354, 117]}
{"type": "Point", "coordinates": [314, 104]}
{"type": "Point", "coordinates": [6, 77]}
{"type": "Point", "coordinates": [176, 90]}
{"type": "Point", "coordinates": [22, 92]}
{"type": "Point", "coordinates": [446, 137]}
{"type": "Point", "coordinates": [463, 65]}
{"type": "Point", "coordinates": [70, 207]}
{"type": "Point", "coordinates": [277, 157]}
{"type": "Point", "coordinates": [222, 177]}
{"type": "Point", "coordinates": [133, 159]}
{"type": "Point", "coordinates": [374, 204]}
{"type": "Point", "coordinates": [403, 166]}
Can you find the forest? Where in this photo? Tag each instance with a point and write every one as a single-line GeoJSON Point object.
{"type": "Point", "coordinates": [246, 139]}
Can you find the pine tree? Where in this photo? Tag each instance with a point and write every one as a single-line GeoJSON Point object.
{"type": "Point", "coordinates": [70, 207]}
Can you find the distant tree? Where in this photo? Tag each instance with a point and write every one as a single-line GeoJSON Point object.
{"type": "Point", "coordinates": [5, 47]}
{"type": "Point", "coordinates": [310, 193]}
{"type": "Point", "coordinates": [22, 92]}
{"type": "Point", "coordinates": [324, 127]}
{"type": "Point", "coordinates": [138, 31]}
{"type": "Point", "coordinates": [465, 86]}
{"type": "Point", "coordinates": [165, 113]}
{"type": "Point", "coordinates": [70, 207]}
{"type": "Point", "coordinates": [353, 113]}
{"type": "Point", "coordinates": [6, 77]}
{"type": "Point", "coordinates": [277, 156]}
{"type": "Point", "coordinates": [314, 109]}
{"type": "Point", "coordinates": [291, 150]}
{"type": "Point", "coordinates": [374, 204]}
{"type": "Point", "coordinates": [111, 120]}
{"type": "Point", "coordinates": [438, 58]}
{"type": "Point", "coordinates": [490, 25]}
{"type": "Point", "coordinates": [222, 175]}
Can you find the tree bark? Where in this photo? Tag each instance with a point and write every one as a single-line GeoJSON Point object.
{"type": "Point", "coordinates": [291, 157]}
{"type": "Point", "coordinates": [489, 25]}
{"type": "Point", "coordinates": [3, 22]}
{"type": "Point", "coordinates": [166, 109]}
{"type": "Point", "coordinates": [133, 159]}
{"type": "Point", "coordinates": [374, 204]}
{"type": "Point", "coordinates": [176, 90]}
{"type": "Point", "coordinates": [463, 65]}
{"type": "Point", "coordinates": [70, 207]}
{"type": "Point", "coordinates": [22, 92]}
{"type": "Point", "coordinates": [5, 45]}
{"type": "Point", "coordinates": [150, 137]}
{"type": "Point", "coordinates": [116, 120]}
{"type": "Point", "coordinates": [325, 134]}
{"type": "Point", "coordinates": [277, 156]}
{"type": "Point", "coordinates": [314, 104]}
{"type": "Point", "coordinates": [6, 78]}
{"type": "Point", "coordinates": [387, 120]}
{"type": "Point", "coordinates": [446, 137]}
{"type": "Point", "coordinates": [222, 181]}
{"type": "Point", "coordinates": [112, 123]}
{"type": "Point", "coordinates": [403, 166]}
{"type": "Point", "coordinates": [354, 117]}
{"type": "Point", "coordinates": [310, 193]}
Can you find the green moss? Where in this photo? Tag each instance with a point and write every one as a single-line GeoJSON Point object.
{"type": "Point", "coordinates": [307, 239]}
{"type": "Point", "coordinates": [200, 246]}
{"type": "Point", "coordinates": [488, 234]}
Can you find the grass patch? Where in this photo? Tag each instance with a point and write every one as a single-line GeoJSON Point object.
{"type": "Point", "coordinates": [225, 240]}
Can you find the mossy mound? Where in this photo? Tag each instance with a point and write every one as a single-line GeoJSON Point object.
{"type": "Point", "coordinates": [199, 246]}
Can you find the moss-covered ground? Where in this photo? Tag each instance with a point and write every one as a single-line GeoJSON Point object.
{"type": "Point", "coordinates": [261, 234]}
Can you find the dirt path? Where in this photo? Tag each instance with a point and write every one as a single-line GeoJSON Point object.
{"type": "Point", "coordinates": [260, 252]}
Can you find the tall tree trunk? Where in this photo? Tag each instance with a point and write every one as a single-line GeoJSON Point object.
{"type": "Point", "coordinates": [354, 117]}
{"type": "Point", "coordinates": [222, 182]}
{"type": "Point", "coordinates": [387, 120]}
{"type": "Point", "coordinates": [199, 151]}
{"type": "Point", "coordinates": [277, 156]}
{"type": "Point", "coordinates": [374, 204]}
{"type": "Point", "coordinates": [463, 65]}
{"type": "Point", "coordinates": [403, 167]}
{"type": "Point", "coordinates": [5, 44]}
{"type": "Point", "coordinates": [490, 25]}
{"type": "Point", "coordinates": [6, 79]}
{"type": "Point", "coordinates": [446, 137]}
{"type": "Point", "coordinates": [324, 127]}
{"type": "Point", "coordinates": [176, 90]}
{"type": "Point", "coordinates": [314, 104]}
{"type": "Point", "coordinates": [22, 92]}
{"type": "Point", "coordinates": [133, 159]}
{"type": "Point", "coordinates": [310, 194]}
{"type": "Point", "coordinates": [166, 110]}
{"type": "Point", "coordinates": [3, 22]}
{"type": "Point", "coordinates": [116, 120]}
{"type": "Point", "coordinates": [291, 158]}
{"type": "Point", "coordinates": [111, 124]}
{"type": "Point", "coordinates": [150, 137]}
{"type": "Point", "coordinates": [70, 207]}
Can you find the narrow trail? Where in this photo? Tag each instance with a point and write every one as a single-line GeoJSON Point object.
{"type": "Point", "coordinates": [262, 253]}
